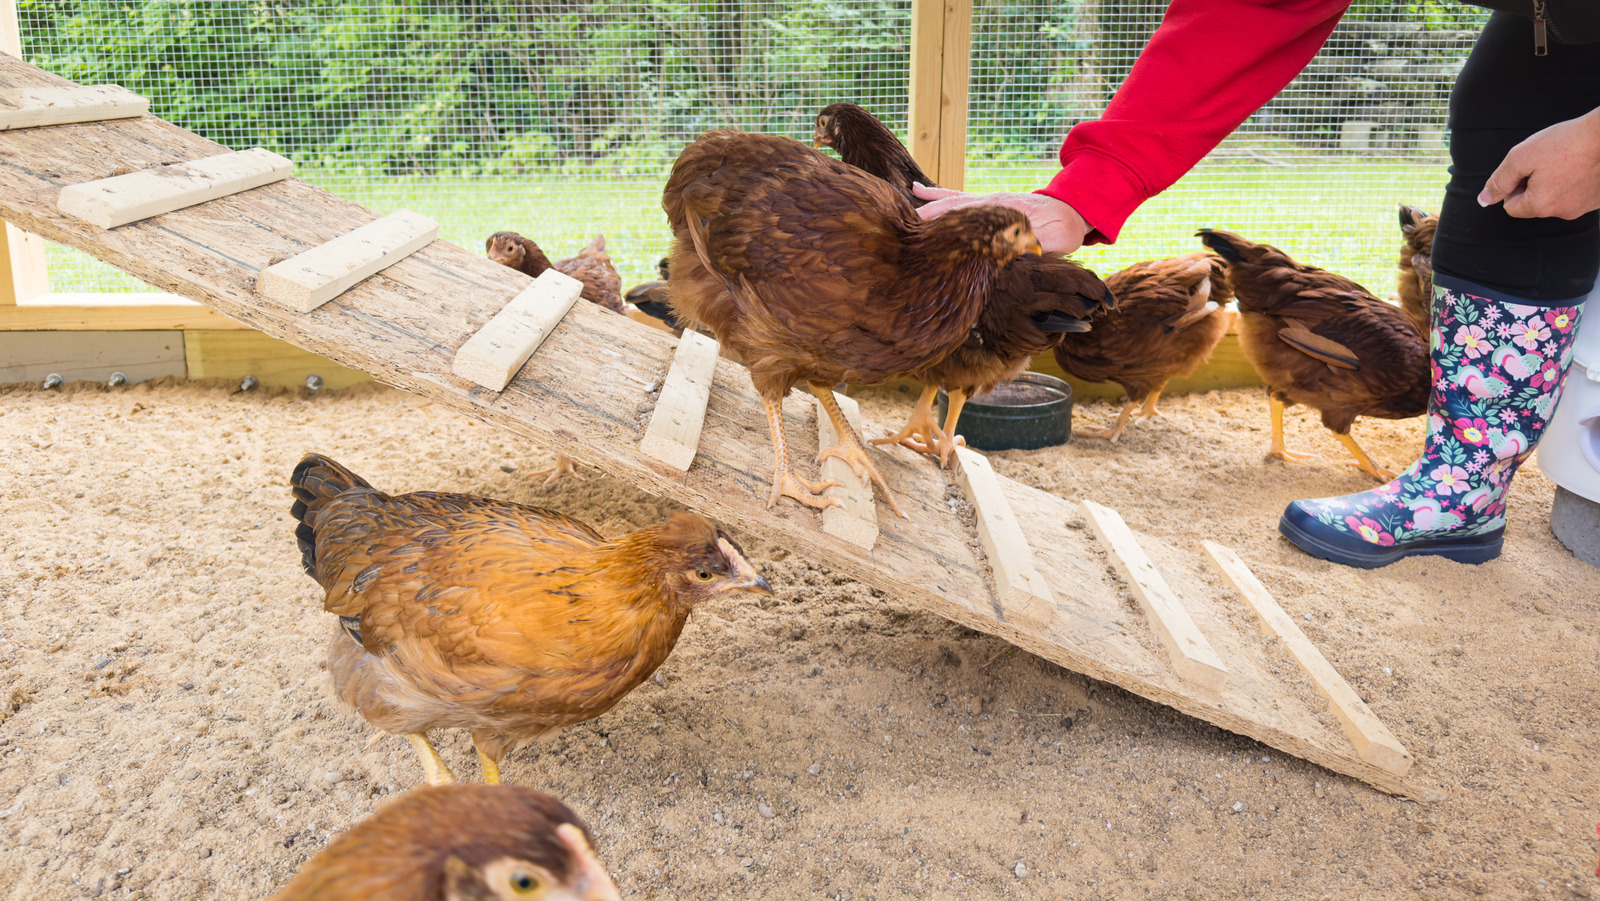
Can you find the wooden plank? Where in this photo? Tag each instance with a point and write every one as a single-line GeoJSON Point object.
{"type": "Point", "coordinates": [925, 104]}
{"type": "Point", "coordinates": [90, 356]}
{"type": "Point", "coordinates": [1372, 739]}
{"type": "Point", "coordinates": [110, 202]}
{"type": "Point", "coordinates": [23, 275]}
{"type": "Point", "coordinates": [857, 521]}
{"type": "Point", "coordinates": [37, 107]}
{"type": "Point", "coordinates": [112, 312]}
{"type": "Point", "coordinates": [673, 435]}
{"type": "Point", "coordinates": [492, 356]}
{"type": "Point", "coordinates": [1192, 656]}
{"type": "Point", "coordinates": [1025, 596]}
{"type": "Point", "coordinates": [583, 394]}
{"type": "Point", "coordinates": [234, 354]}
{"type": "Point", "coordinates": [310, 279]}
{"type": "Point", "coordinates": [955, 79]}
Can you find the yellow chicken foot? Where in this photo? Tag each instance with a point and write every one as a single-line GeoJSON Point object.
{"type": "Point", "coordinates": [433, 765]}
{"type": "Point", "coordinates": [849, 448]}
{"type": "Point", "coordinates": [921, 431]}
{"type": "Point", "coordinates": [565, 468]}
{"type": "Point", "coordinates": [947, 440]}
{"type": "Point", "coordinates": [1149, 411]}
{"type": "Point", "coordinates": [1113, 433]}
{"type": "Point", "coordinates": [784, 482]}
{"type": "Point", "coordinates": [490, 766]}
{"type": "Point", "coordinates": [1364, 462]}
{"type": "Point", "coordinates": [1277, 450]}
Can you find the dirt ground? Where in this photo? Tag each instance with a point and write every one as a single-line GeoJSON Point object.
{"type": "Point", "coordinates": [167, 729]}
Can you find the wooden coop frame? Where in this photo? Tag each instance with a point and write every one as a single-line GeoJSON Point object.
{"type": "Point", "coordinates": [86, 336]}
{"type": "Point", "coordinates": [1071, 583]}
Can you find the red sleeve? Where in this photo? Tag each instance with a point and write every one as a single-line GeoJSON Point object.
{"type": "Point", "coordinates": [1207, 68]}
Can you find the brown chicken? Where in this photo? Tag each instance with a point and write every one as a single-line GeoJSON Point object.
{"type": "Point", "coordinates": [459, 843]}
{"type": "Point", "coordinates": [817, 273]}
{"type": "Point", "coordinates": [1167, 320]}
{"type": "Point", "coordinates": [863, 141]}
{"type": "Point", "coordinates": [602, 286]}
{"type": "Point", "coordinates": [462, 612]}
{"type": "Point", "coordinates": [1322, 340]}
{"type": "Point", "coordinates": [1036, 301]}
{"type": "Point", "coordinates": [1416, 265]}
{"type": "Point", "coordinates": [651, 299]}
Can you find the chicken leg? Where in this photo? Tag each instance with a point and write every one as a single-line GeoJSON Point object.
{"type": "Point", "coordinates": [1364, 462]}
{"type": "Point", "coordinates": [784, 482]}
{"type": "Point", "coordinates": [438, 772]}
{"type": "Point", "coordinates": [921, 431]}
{"type": "Point", "coordinates": [849, 448]}
{"type": "Point", "coordinates": [565, 467]}
{"type": "Point", "coordinates": [1277, 450]}
{"type": "Point", "coordinates": [490, 766]}
{"type": "Point", "coordinates": [947, 441]}
{"type": "Point", "coordinates": [1113, 433]}
{"type": "Point", "coordinates": [1149, 411]}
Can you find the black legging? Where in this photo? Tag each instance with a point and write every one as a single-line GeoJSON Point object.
{"type": "Point", "coordinates": [1505, 94]}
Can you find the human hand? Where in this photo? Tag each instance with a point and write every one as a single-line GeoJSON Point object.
{"type": "Point", "coordinates": [1554, 173]}
{"type": "Point", "coordinates": [1056, 224]}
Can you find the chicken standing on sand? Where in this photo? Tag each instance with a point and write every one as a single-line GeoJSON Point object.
{"type": "Point", "coordinates": [461, 612]}
{"type": "Point", "coordinates": [817, 273]}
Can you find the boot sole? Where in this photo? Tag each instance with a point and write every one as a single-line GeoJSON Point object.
{"type": "Point", "coordinates": [1365, 555]}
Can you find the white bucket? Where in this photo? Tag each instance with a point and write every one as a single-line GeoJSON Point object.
{"type": "Point", "coordinates": [1569, 451]}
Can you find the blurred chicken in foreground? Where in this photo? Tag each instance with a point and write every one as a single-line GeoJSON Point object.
{"type": "Point", "coordinates": [1322, 340]}
{"type": "Point", "coordinates": [1167, 320]}
{"type": "Point", "coordinates": [817, 273]}
{"type": "Point", "coordinates": [1037, 300]}
{"type": "Point", "coordinates": [459, 843]}
{"type": "Point", "coordinates": [461, 612]}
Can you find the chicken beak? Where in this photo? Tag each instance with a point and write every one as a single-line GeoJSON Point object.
{"type": "Point", "coordinates": [1034, 247]}
{"type": "Point", "coordinates": [745, 576]}
{"type": "Point", "coordinates": [589, 879]}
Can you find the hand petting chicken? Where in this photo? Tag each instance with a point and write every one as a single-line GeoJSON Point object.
{"type": "Point", "coordinates": [602, 286]}
{"type": "Point", "coordinates": [1416, 266]}
{"type": "Point", "coordinates": [817, 273]}
{"type": "Point", "coordinates": [1167, 320]}
{"type": "Point", "coordinates": [1319, 339]}
{"type": "Point", "coordinates": [1037, 300]}
{"type": "Point", "coordinates": [459, 843]}
{"type": "Point", "coordinates": [461, 612]}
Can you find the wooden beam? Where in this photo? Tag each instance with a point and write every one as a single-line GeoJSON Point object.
{"type": "Point", "coordinates": [925, 105]}
{"type": "Point", "coordinates": [90, 356]}
{"type": "Point", "coordinates": [38, 107]}
{"type": "Point", "coordinates": [1192, 656]}
{"type": "Point", "coordinates": [111, 313]}
{"type": "Point", "coordinates": [955, 81]}
{"type": "Point", "coordinates": [492, 356]}
{"type": "Point", "coordinates": [1372, 739]}
{"type": "Point", "coordinates": [857, 521]}
{"type": "Point", "coordinates": [673, 435]}
{"type": "Point", "coordinates": [23, 274]}
{"type": "Point", "coordinates": [1024, 595]}
{"type": "Point", "coordinates": [110, 202]}
{"type": "Point", "coordinates": [234, 354]}
{"type": "Point", "coordinates": [310, 279]}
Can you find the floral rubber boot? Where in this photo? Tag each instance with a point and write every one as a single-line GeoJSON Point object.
{"type": "Point", "coordinates": [1498, 367]}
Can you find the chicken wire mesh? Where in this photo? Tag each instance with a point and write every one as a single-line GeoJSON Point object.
{"type": "Point", "coordinates": [560, 119]}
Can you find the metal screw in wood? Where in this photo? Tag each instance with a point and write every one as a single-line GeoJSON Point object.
{"type": "Point", "coordinates": [117, 379]}
{"type": "Point", "coordinates": [249, 383]}
{"type": "Point", "coordinates": [314, 381]}
{"type": "Point", "coordinates": [53, 380]}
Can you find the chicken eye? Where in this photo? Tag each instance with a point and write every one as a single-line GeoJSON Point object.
{"type": "Point", "coordinates": [523, 884]}
{"type": "Point", "coordinates": [702, 575]}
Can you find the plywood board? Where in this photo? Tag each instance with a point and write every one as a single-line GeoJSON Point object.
{"type": "Point", "coordinates": [90, 356]}
{"type": "Point", "coordinates": [110, 202]}
{"type": "Point", "coordinates": [586, 395]}
{"type": "Point", "coordinates": [234, 354]}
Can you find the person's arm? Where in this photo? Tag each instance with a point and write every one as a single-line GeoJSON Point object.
{"type": "Point", "coordinates": [1555, 173]}
{"type": "Point", "coordinates": [1207, 68]}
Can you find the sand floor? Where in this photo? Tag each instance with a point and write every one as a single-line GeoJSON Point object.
{"type": "Point", "coordinates": [167, 730]}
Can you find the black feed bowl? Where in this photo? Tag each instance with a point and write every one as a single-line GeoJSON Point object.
{"type": "Point", "coordinates": [1029, 412]}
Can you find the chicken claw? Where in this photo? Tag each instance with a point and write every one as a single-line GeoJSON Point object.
{"type": "Point", "coordinates": [433, 765]}
{"type": "Point", "coordinates": [1364, 462]}
{"type": "Point", "coordinates": [849, 448]}
{"type": "Point", "coordinates": [565, 467]}
{"type": "Point", "coordinates": [491, 767]}
{"type": "Point", "coordinates": [784, 482]}
{"type": "Point", "coordinates": [921, 431]}
{"type": "Point", "coordinates": [1278, 451]}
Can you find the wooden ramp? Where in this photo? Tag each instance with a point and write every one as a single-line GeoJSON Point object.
{"type": "Point", "coordinates": [1085, 596]}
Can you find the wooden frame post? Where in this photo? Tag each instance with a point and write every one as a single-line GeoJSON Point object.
{"type": "Point", "coordinates": [941, 72]}
{"type": "Point", "coordinates": [22, 268]}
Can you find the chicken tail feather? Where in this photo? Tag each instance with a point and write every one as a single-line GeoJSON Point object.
{"type": "Point", "coordinates": [1226, 244]}
{"type": "Point", "coordinates": [316, 481]}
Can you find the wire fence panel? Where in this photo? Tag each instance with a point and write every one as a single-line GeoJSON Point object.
{"type": "Point", "coordinates": [1319, 171]}
{"type": "Point", "coordinates": [561, 118]}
